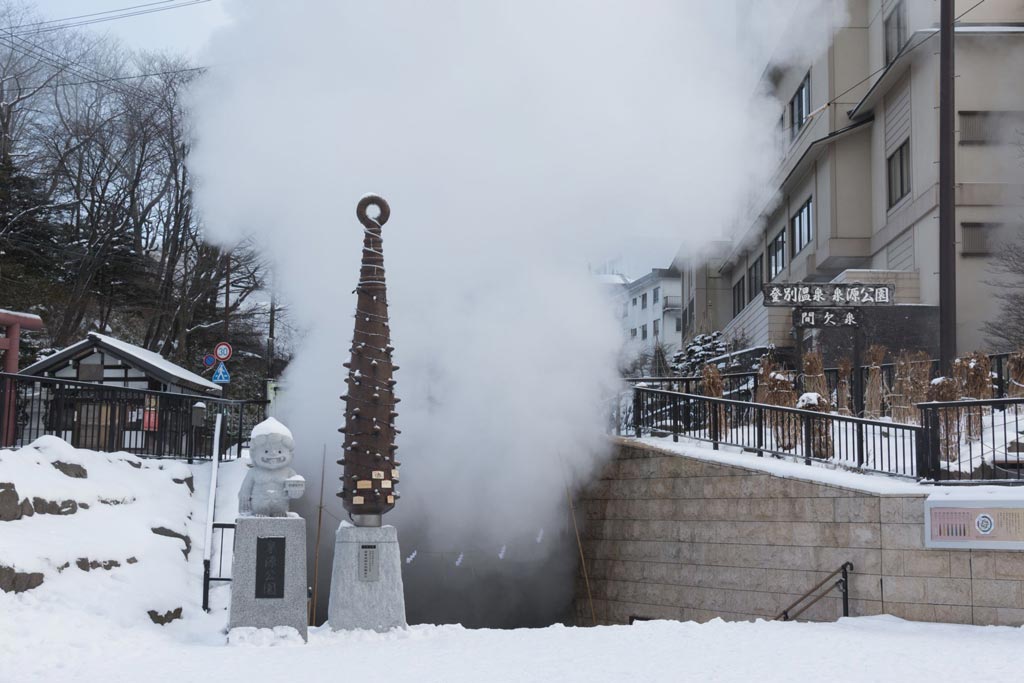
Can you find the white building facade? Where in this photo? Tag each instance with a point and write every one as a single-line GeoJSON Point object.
{"type": "Point", "coordinates": [651, 311]}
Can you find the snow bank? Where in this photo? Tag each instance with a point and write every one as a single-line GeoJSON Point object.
{"type": "Point", "coordinates": [101, 556]}
{"type": "Point", "coordinates": [818, 472]}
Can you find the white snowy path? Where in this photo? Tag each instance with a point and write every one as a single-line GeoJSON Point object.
{"type": "Point", "coordinates": [66, 647]}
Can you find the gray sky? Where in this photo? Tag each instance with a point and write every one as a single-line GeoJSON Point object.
{"type": "Point", "coordinates": [179, 30]}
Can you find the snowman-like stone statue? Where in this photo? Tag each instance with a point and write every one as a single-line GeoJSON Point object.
{"type": "Point", "coordinates": [268, 586]}
{"type": "Point", "coordinates": [271, 483]}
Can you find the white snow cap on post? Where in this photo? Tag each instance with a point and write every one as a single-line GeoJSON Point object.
{"type": "Point", "coordinates": [809, 399]}
{"type": "Point", "coordinates": [271, 426]}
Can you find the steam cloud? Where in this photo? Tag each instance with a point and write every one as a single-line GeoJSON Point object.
{"type": "Point", "coordinates": [515, 142]}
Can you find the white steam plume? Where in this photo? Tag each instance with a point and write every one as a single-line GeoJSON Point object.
{"type": "Point", "coordinates": [515, 143]}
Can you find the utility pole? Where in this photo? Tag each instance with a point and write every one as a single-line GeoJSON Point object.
{"type": "Point", "coordinates": [227, 294]}
{"type": "Point", "coordinates": [947, 187]}
{"type": "Point", "coordinates": [270, 348]}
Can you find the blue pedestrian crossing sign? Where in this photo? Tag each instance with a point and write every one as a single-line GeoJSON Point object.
{"type": "Point", "coordinates": [221, 375]}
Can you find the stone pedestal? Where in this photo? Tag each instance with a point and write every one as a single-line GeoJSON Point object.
{"type": "Point", "coordinates": [366, 584]}
{"type": "Point", "coordinates": [268, 573]}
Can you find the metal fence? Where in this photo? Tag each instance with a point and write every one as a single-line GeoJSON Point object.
{"type": "Point", "coordinates": [868, 445]}
{"type": "Point", "coordinates": [975, 440]}
{"type": "Point", "coordinates": [957, 441]}
{"type": "Point", "coordinates": [110, 418]}
{"type": "Point", "coordinates": [743, 385]}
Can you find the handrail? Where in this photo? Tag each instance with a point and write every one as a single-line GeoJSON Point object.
{"type": "Point", "coordinates": [842, 584]}
{"type": "Point", "coordinates": [114, 387]}
{"type": "Point", "coordinates": [968, 402]}
{"type": "Point", "coordinates": [211, 511]}
{"type": "Point", "coordinates": [782, 409]}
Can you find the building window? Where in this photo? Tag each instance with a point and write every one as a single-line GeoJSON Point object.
{"type": "Point", "coordinates": [800, 106]}
{"type": "Point", "coordinates": [632, 333]}
{"type": "Point", "coordinates": [755, 278]}
{"type": "Point", "coordinates": [895, 27]}
{"type": "Point", "coordinates": [991, 127]}
{"type": "Point", "coordinates": [777, 254]}
{"type": "Point", "coordinates": [691, 314]}
{"type": "Point", "coordinates": [625, 309]}
{"type": "Point", "coordinates": [643, 331]}
{"type": "Point", "coordinates": [802, 226]}
{"type": "Point", "coordinates": [643, 300]}
{"type": "Point", "coordinates": [634, 301]}
{"type": "Point", "coordinates": [656, 324]}
{"type": "Point", "coordinates": [657, 293]}
{"type": "Point", "coordinates": [679, 324]}
{"type": "Point", "coordinates": [739, 292]}
{"type": "Point", "coordinates": [898, 170]}
{"type": "Point", "coordinates": [979, 238]}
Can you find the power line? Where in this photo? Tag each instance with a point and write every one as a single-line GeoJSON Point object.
{"type": "Point", "coordinates": [98, 20]}
{"type": "Point", "coordinates": [83, 16]}
{"type": "Point", "coordinates": [901, 54]}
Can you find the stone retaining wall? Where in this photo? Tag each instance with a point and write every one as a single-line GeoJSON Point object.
{"type": "Point", "coordinates": [675, 537]}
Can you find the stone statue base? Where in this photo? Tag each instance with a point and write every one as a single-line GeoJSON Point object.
{"type": "Point", "coordinates": [268, 573]}
{"type": "Point", "coordinates": [366, 584]}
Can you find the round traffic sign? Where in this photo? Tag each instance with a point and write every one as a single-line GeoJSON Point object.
{"type": "Point", "coordinates": [209, 361]}
{"type": "Point", "coordinates": [223, 351]}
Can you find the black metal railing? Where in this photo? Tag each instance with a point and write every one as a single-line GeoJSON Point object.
{"type": "Point", "coordinates": [869, 445]}
{"type": "Point", "coordinates": [110, 418]}
{"type": "Point", "coordinates": [809, 599]}
{"type": "Point", "coordinates": [967, 441]}
{"type": "Point", "coordinates": [743, 385]}
{"type": "Point", "coordinates": [219, 541]}
{"type": "Point", "coordinates": [974, 440]}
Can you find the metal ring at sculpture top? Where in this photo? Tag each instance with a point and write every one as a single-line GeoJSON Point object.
{"type": "Point", "coordinates": [373, 200]}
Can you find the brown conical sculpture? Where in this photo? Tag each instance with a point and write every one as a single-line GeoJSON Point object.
{"type": "Point", "coordinates": [370, 471]}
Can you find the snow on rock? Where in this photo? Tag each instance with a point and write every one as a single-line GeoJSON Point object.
{"type": "Point", "coordinates": [116, 551]}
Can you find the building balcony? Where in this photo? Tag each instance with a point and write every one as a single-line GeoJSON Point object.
{"type": "Point", "coordinates": [671, 303]}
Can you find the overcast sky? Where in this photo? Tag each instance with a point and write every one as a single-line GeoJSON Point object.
{"type": "Point", "coordinates": [184, 30]}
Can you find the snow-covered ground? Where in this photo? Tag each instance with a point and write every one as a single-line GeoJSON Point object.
{"type": "Point", "coordinates": [78, 647]}
{"type": "Point", "coordinates": [92, 625]}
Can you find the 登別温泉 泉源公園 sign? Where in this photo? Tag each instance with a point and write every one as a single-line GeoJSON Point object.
{"type": "Point", "coordinates": [827, 294]}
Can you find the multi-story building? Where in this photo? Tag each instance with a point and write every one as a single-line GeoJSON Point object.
{"type": "Point", "coordinates": [651, 310]}
{"type": "Point", "coordinates": [855, 195]}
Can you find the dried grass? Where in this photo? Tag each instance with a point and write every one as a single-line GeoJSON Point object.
{"type": "Point", "coordinates": [814, 376]}
{"type": "Point", "coordinates": [1015, 369]}
{"type": "Point", "coordinates": [910, 386]}
{"type": "Point", "coordinates": [713, 386]}
{"type": "Point", "coordinates": [844, 395]}
{"type": "Point", "coordinates": [947, 389]}
{"type": "Point", "coordinates": [973, 374]}
{"type": "Point", "coordinates": [775, 387]}
{"type": "Point", "coordinates": [820, 427]}
{"type": "Point", "coordinates": [874, 390]}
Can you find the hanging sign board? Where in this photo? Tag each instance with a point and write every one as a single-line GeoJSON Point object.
{"type": "Point", "coordinates": [816, 318]}
{"type": "Point", "coordinates": [827, 294]}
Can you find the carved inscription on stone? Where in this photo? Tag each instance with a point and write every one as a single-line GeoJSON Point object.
{"type": "Point", "coordinates": [270, 567]}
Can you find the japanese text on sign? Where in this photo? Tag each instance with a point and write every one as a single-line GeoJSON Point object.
{"type": "Point", "coordinates": [270, 561]}
{"type": "Point", "coordinates": [826, 317]}
{"type": "Point", "coordinates": [827, 294]}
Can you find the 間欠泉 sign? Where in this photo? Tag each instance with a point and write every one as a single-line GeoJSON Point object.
{"type": "Point", "coordinates": [826, 294]}
{"type": "Point", "coordinates": [804, 318]}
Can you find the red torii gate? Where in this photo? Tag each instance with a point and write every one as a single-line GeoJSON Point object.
{"type": "Point", "coordinates": [12, 323]}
